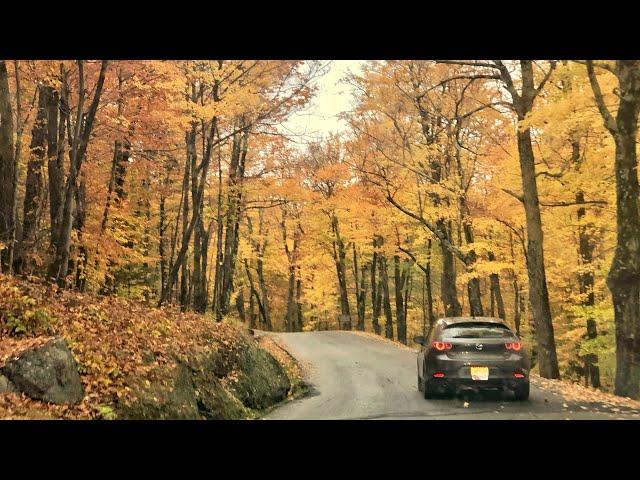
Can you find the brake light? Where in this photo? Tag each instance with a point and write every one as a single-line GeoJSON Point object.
{"type": "Point", "coordinates": [513, 346]}
{"type": "Point", "coordinates": [442, 346]}
{"type": "Point", "coordinates": [518, 375]}
{"type": "Point", "coordinates": [438, 375]}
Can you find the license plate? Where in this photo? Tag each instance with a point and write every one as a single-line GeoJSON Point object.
{"type": "Point", "coordinates": [480, 373]}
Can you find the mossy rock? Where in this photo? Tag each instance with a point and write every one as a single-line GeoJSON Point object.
{"type": "Point", "coordinates": [170, 396]}
{"type": "Point", "coordinates": [187, 391]}
{"type": "Point", "coordinates": [262, 381]}
{"type": "Point", "coordinates": [214, 402]}
{"type": "Point", "coordinates": [192, 389]}
{"type": "Point", "coordinates": [48, 372]}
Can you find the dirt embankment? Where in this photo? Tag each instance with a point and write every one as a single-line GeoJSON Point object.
{"type": "Point", "coordinates": [136, 361]}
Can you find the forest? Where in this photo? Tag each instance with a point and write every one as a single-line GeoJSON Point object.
{"type": "Point", "coordinates": [460, 187]}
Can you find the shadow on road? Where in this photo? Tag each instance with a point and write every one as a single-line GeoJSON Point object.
{"type": "Point", "coordinates": [482, 396]}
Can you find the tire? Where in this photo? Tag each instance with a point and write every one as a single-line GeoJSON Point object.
{"type": "Point", "coordinates": [521, 392]}
{"type": "Point", "coordinates": [420, 385]}
{"type": "Point", "coordinates": [429, 390]}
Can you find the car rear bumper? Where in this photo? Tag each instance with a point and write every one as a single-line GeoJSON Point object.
{"type": "Point", "coordinates": [457, 373]}
{"type": "Point", "coordinates": [461, 384]}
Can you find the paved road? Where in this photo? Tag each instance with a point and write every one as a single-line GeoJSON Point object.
{"type": "Point", "coordinates": [355, 376]}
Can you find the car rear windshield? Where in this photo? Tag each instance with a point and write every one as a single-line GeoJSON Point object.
{"type": "Point", "coordinates": [477, 330]}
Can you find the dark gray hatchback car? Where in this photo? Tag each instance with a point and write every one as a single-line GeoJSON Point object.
{"type": "Point", "coordinates": [467, 353]}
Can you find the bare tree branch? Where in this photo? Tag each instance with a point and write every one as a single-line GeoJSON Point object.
{"type": "Point", "coordinates": [609, 121]}
{"type": "Point", "coordinates": [469, 63]}
{"type": "Point", "coordinates": [508, 81]}
{"type": "Point", "coordinates": [442, 238]}
{"type": "Point", "coordinates": [520, 198]}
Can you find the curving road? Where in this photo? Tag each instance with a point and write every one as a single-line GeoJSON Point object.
{"type": "Point", "coordinates": [354, 376]}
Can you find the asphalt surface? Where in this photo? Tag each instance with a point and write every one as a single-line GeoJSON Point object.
{"type": "Point", "coordinates": [354, 376]}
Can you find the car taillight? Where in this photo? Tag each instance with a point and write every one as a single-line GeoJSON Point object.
{"type": "Point", "coordinates": [442, 346]}
{"type": "Point", "coordinates": [513, 346]}
{"type": "Point", "coordinates": [518, 374]}
{"type": "Point", "coordinates": [438, 375]}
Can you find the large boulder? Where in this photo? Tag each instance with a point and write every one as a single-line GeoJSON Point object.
{"type": "Point", "coordinates": [213, 385]}
{"type": "Point", "coordinates": [214, 401]}
{"type": "Point", "coordinates": [5, 385]}
{"type": "Point", "coordinates": [262, 381]}
{"type": "Point", "coordinates": [169, 395]}
{"type": "Point", "coordinates": [47, 373]}
{"type": "Point", "coordinates": [183, 392]}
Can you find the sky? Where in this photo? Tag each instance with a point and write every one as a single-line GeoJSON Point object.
{"type": "Point", "coordinates": [333, 97]}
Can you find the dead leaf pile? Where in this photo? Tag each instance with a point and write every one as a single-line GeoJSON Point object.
{"type": "Point", "coordinates": [581, 394]}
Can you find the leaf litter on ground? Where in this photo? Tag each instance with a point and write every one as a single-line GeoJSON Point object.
{"type": "Point", "coordinates": [112, 339]}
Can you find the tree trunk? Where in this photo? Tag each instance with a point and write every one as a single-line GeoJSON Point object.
{"type": "Point", "coordinates": [517, 302]}
{"type": "Point", "coordinates": [408, 287]}
{"type": "Point", "coordinates": [360, 283]}
{"type": "Point", "coordinates": [299, 302]}
{"type": "Point", "coordinates": [78, 225]}
{"type": "Point", "coordinates": [34, 184]}
{"type": "Point", "coordinates": [263, 305]}
{"type": "Point", "coordinates": [234, 199]}
{"type": "Point", "coordinates": [121, 155]}
{"type": "Point", "coordinates": [400, 278]}
{"type": "Point", "coordinates": [291, 316]}
{"type": "Point", "coordinates": [586, 282]}
{"type": "Point", "coordinates": [384, 280]}
{"type": "Point", "coordinates": [186, 235]}
{"type": "Point", "coordinates": [240, 305]}
{"type": "Point", "coordinates": [496, 292]}
{"type": "Point", "coordinates": [57, 114]}
{"type": "Point", "coordinates": [252, 310]}
{"type": "Point", "coordinates": [264, 293]}
{"type": "Point", "coordinates": [448, 289]}
{"type": "Point", "coordinates": [429, 290]}
{"type": "Point", "coordinates": [80, 140]}
{"type": "Point", "coordinates": [538, 294]}
{"type": "Point", "coordinates": [259, 247]}
{"type": "Point", "coordinates": [624, 275]}
{"type": "Point", "coordinates": [188, 231]}
{"type": "Point", "coordinates": [291, 306]}
{"type": "Point", "coordinates": [7, 172]}
{"type": "Point", "coordinates": [200, 235]}
{"type": "Point", "coordinates": [339, 258]}
{"type": "Point", "coordinates": [376, 294]}
{"type": "Point", "coordinates": [586, 246]}
{"type": "Point", "coordinates": [162, 228]}
{"type": "Point", "coordinates": [473, 285]}
{"type": "Point", "coordinates": [217, 275]}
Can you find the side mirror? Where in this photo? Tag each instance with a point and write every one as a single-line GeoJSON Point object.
{"type": "Point", "coordinates": [420, 339]}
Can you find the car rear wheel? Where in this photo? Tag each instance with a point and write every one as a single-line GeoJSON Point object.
{"type": "Point", "coordinates": [521, 392]}
{"type": "Point", "coordinates": [429, 390]}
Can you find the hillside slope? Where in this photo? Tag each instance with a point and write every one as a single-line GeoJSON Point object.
{"type": "Point", "coordinates": [136, 361]}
